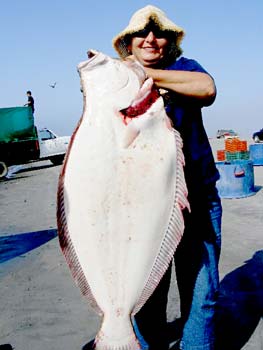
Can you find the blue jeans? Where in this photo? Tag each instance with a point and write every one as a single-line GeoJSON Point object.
{"type": "Point", "coordinates": [196, 262]}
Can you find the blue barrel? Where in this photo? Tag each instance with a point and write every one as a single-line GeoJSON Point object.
{"type": "Point", "coordinates": [256, 153]}
{"type": "Point", "coordinates": [236, 179]}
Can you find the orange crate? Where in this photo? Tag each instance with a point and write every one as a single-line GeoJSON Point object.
{"type": "Point", "coordinates": [242, 146]}
{"type": "Point", "coordinates": [221, 155]}
{"type": "Point", "coordinates": [231, 145]}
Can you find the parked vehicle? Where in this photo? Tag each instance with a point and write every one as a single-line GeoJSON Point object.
{"type": "Point", "coordinates": [222, 133]}
{"type": "Point", "coordinates": [52, 146]}
{"type": "Point", "coordinates": [21, 141]}
{"type": "Point", "coordinates": [258, 136]}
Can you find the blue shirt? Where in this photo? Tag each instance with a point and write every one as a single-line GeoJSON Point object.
{"type": "Point", "coordinates": [185, 112]}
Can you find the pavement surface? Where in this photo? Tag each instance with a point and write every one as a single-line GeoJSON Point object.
{"type": "Point", "coordinates": [40, 306]}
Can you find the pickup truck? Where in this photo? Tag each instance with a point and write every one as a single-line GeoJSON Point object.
{"type": "Point", "coordinates": [22, 142]}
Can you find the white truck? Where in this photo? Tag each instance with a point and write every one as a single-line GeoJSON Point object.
{"type": "Point", "coordinates": [52, 146]}
{"type": "Point", "coordinates": [22, 142]}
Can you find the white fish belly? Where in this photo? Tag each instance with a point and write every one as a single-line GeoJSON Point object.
{"type": "Point", "coordinates": [119, 203]}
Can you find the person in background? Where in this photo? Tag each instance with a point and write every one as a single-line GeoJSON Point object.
{"type": "Point", "coordinates": [153, 40]}
{"type": "Point", "coordinates": [30, 101]}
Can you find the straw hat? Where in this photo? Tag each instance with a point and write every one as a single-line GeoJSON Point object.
{"type": "Point", "coordinates": [139, 21]}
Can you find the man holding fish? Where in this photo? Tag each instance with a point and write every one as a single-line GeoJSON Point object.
{"type": "Point", "coordinates": [154, 41]}
{"type": "Point", "coordinates": [127, 184]}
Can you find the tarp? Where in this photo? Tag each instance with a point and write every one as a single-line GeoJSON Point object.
{"type": "Point", "coordinates": [16, 124]}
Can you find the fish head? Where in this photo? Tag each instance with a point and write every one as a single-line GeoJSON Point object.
{"type": "Point", "coordinates": [117, 83]}
{"type": "Point", "coordinates": [109, 79]}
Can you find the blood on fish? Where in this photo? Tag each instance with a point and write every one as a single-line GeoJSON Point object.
{"type": "Point", "coordinates": [140, 108]}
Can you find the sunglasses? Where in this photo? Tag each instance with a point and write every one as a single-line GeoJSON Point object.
{"type": "Point", "coordinates": [158, 33]}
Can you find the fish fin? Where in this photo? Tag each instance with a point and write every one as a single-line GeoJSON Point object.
{"type": "Point", "coordinates": [130, 134]}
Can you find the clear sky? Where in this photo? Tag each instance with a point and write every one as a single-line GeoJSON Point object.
{"type": "Point", "coordinates": [43, 41]}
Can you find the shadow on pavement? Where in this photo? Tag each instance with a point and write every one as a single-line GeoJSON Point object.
{"type": "Point", "coordinates": [240, 305]}
{"type": "Point", "coordinates": [33, 168]}
{"type": "Point", "coordinates": [257, 188]}
{"type": "Point", "coordinates": [18, 169]}
{"type": "Point", "coordinates": [15, 245]}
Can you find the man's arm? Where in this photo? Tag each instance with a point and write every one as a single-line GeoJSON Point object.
{"type": "Point", "coordinates": [192, 84]}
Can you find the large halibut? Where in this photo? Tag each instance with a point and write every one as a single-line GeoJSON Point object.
{"type": "Point", "coordinates": [121, 194]}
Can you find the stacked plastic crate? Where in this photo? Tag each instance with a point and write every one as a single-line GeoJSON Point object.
{"type": "Point", "coordinates": [235, 149]}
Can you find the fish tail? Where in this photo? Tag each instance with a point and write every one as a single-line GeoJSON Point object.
{"type": "Point", "coordinates": [117, 338]}
{"type": "Point", "coordinates": [131, 344]}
